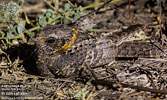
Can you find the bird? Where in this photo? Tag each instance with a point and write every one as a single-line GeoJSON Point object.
{"type": "Point", "coordinates": [66, 50]}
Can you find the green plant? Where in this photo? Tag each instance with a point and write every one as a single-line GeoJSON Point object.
{"type": "Point", "coordinates": [11, 23]}
{"type": "Point", "coordinates": [63, 16]}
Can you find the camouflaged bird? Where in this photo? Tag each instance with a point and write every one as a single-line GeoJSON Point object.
{"type": "Point", "coordinates": [53, 38]}
{"type": "Point", "coordinates": [67, 50]}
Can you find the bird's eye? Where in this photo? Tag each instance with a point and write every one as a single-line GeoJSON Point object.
{"type": "Point", "coordinates": [63, 41]}
{"type": "Point", "coordinates": [50, 40]}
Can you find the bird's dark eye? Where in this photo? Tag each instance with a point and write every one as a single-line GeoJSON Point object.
{"type": "Point", "coordinates": [63, 41]}
{"type": "Point", "coordinates": [50, 40]}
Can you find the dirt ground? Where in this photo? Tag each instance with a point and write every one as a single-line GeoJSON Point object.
{"type": "Point", "coordinates": [140, 79]}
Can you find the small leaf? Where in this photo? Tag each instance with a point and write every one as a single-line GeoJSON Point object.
{"type": "Point", "coordinates": [61, 10]}
{"type": "Point", "coordinates": [42, 21]}
{"type": "Point", "coordinates": [21, 27]}
{"type": "Point", "coordinates": [49, 13]}
{"type": "Point", "coordinates": [67, 6]}
{"type": "Point", "coordinates": [9, 35]}
{"type": "Point", "coordinates": [72, 12]}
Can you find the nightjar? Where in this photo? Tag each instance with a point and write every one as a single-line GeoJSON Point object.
{"type": "Point", "coordinates": [67, 50]}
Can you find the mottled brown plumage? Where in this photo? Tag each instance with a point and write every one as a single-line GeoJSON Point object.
{"type": "Point", "coordinates": [86, 51]}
